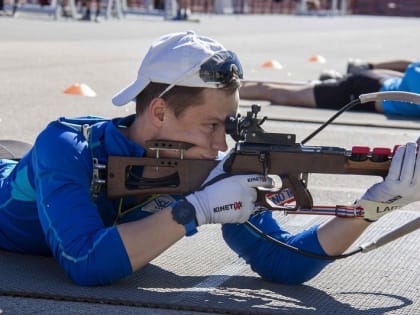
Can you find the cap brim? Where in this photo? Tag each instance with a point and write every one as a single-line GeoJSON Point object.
{"type": "Point", "coordinates": [129, 93]}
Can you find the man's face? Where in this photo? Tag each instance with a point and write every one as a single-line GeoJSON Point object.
{"type": "Point", "coordinates": [202, 125]}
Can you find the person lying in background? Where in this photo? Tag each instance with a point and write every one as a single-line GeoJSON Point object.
{"type": "Point", "coordinates": [334, 90]}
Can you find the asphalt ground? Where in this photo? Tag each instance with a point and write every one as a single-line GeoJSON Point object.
{"type": "Point", "coordinates": [40, 57]}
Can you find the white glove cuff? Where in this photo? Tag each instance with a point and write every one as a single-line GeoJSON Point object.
{"type": "Point", "coordinates": [373, 210]}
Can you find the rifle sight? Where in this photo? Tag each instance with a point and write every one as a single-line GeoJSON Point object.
{"type": "Point", "coordinates": [248, 130]}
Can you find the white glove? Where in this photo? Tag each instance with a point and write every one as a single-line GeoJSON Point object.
{"type": "Point", "coordinates": [400, 187]}
{"type": "Point", "coordinates": [229, 200]}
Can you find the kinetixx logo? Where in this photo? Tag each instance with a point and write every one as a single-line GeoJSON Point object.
{"type": "Point", "coordinates": [257, 179]}
{"type": "Point", "coordinates": [237, 205]}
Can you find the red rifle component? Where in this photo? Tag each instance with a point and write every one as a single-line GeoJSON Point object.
{"type": "Point", "coordinates": [359, 153]}
{"type": "Point", "coordinates": [381, 154]}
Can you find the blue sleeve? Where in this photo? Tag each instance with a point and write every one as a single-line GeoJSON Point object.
{"type": "Point", "coordinates": [410, 82]}
{"type": "Point", "coordinates": [89, 252]}
{"type": "Point", "coordinates": [270, 261]}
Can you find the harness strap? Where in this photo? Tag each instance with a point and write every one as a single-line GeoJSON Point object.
{"type": "Point", "coordinates": [99, 170]}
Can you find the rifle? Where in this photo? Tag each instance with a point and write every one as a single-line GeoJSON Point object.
{"type": "Point", "coordinates": [257, 151]}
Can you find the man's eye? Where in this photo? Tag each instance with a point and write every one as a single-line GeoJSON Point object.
{"type": "Point", "coordinates": [213, 126]}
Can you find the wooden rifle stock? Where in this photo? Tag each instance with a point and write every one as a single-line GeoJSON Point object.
{"type": "Point", "coordinates": [291, 164]}
{"type": "Point", "coordinates": [189, 175]}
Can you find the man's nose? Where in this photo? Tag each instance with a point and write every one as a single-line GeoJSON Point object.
{"type": "Point", "coordinates": [219, 142]}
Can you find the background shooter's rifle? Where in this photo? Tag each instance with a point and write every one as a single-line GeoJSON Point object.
{"type": "Point", "coordinates": [257, 151]}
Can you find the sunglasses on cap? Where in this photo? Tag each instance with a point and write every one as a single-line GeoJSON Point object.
{"type": "Point", "coordinates": [219, 69]}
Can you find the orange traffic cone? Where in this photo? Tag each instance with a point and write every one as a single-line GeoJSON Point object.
{"type": "Point", "coordinates": [274, 64]}
{"type": "Point", "coordinates": [80, 89]}
{"type": "Point", "coordinates": [317, 58]}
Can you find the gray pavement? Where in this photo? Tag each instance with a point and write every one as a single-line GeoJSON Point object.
{"type": "Point", "coordinates": [40, 57]}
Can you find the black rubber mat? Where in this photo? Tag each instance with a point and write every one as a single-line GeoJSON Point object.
{"type": "Point", "coordinates": [202, 274]}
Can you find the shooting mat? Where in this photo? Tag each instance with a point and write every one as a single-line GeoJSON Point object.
{"type": "Point", "coordinates": [202, 274]}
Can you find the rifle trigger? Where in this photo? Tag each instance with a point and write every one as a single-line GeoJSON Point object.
{"type": "Point", "coordinates": [304, 179]}
{"type": "Point", "coordinates": [264, 160]}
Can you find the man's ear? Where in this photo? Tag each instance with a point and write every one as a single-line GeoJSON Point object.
{"type": "Point", "coordinates": [157, 110]}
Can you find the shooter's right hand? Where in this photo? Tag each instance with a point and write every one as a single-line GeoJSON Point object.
{"type": "Point", "coordinates": [229, 200]}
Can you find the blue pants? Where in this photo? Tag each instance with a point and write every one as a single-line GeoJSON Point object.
{"type": "Point", "coordinates": [270, 261]}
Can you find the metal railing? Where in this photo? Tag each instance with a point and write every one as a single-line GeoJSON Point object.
{"type": "Point", "coordinates": [168, 8]}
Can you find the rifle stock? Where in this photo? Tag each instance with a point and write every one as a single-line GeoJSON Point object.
{"type": "Point", "coordinates": [290, 164]}
{"type": "Point", "coordinates": [189, 175]}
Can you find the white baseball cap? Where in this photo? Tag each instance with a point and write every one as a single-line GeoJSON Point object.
{"type": "Point", "coordinates": [179, 59]}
